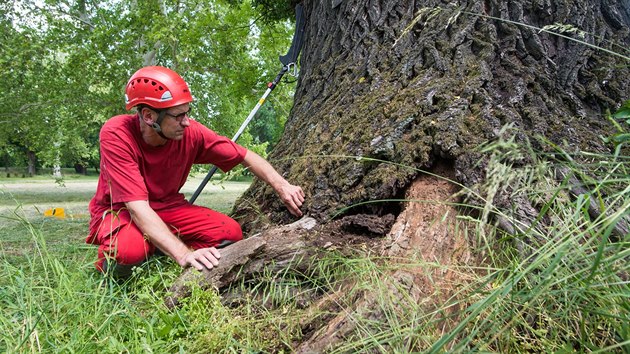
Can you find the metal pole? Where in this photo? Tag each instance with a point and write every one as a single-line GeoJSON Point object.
{"type": "Point", "coordinates": [272, 85]}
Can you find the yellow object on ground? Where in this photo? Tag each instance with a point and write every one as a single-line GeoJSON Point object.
{"type": "Point", "coordinates": [55, 212]}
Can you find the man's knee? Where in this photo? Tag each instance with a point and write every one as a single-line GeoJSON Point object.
{"type": "Point", "coordinates": [130, 254]}
{"type": "Point", "coordinates": [237, 231]}
{"type": "Point", "coordinates": [133, 255]}
{"type": "Point", "coordinates": [221, 234]}
{"type": "Point", "coordinates": [231, 231]}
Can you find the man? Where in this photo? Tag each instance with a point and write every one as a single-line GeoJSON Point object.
{"type": "Point", "coordinates": [145, 160]}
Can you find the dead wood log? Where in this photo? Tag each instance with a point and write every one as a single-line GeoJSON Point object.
{"type": "Point", "coordinates": [296, 247]}
{"type": "Point", "coordinates": [275, 248]}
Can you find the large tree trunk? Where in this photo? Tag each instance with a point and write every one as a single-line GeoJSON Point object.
{"type": "Point", "coordinates": [414, 82]}
{"type": "Point", "coordinates": [390, 88]}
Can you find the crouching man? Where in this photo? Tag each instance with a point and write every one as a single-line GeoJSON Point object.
{"type": "Point", "coordinates": [145, 160]}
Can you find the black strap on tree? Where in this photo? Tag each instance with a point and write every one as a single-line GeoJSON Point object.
{"type": "Point", "coordinates": [288, 62]}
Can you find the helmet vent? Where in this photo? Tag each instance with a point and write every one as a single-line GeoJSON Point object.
{"type": "Point", "coordinates": [166, 96]}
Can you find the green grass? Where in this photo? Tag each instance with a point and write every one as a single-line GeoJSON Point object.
{"type": "Point", "coordinates": [53, 300]}
{"type": "Point", "coordinates": [561, 285]}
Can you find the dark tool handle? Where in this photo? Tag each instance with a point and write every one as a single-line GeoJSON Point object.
{"type": "Point", "coordinates": [203, 184]}
{"type": "Point", "coordinates": [298, 36]}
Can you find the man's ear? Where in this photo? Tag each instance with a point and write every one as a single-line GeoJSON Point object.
{"type": "Point", "coordinates": [147, 115]}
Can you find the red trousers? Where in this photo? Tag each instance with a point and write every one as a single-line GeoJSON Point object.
{"type": "Point", "coordinates": [121, 240]}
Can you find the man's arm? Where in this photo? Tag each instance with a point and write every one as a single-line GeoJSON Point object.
{"type": "Point", "coordinates": [292, 196]}
{"type": "Point", "coordinates": [159, 234]}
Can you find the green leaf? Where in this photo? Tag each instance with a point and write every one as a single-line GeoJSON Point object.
{"type": "Point", "coordinates": [69, 75]}
{"type": "Point", "coordinates": [623, 113]}
{"type": "Point", "coordinates": [622, 138]}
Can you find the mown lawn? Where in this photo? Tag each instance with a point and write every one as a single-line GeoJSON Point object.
{"type": "Point", "coordinates": [23, 202]}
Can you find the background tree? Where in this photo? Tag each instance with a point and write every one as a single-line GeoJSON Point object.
{"type": "Point", "coordinates": [67, 64]}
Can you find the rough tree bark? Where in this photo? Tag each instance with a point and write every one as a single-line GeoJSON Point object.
{"type": "Point", "coordinates": [414, 82]}
{"type": "Point", "coordinates": [422, 84]}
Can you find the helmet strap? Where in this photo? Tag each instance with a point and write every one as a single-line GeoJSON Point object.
{"type": "Point", "coordinates": [156, 124]}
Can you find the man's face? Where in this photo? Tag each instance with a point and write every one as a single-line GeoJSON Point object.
{"type": "Point", "coordinates": [175, 121]}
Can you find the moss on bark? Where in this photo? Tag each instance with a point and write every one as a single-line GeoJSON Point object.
{"type": "Point", "coordinates": [416, 82]}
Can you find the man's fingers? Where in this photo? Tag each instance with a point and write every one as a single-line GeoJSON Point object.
{"type": "Point", "coordinates": [293, 198]}
{"type": "Point", "coordinates": [297, 208]}
{"type": "Point", "coordinates": [301, 193]}
{"type": "Point", "coordinates": [206, 262]}
{"type": "Point", "coordinates": [215, 252]}
{"type": "Point", "coordinates": [294, 209]}
{"type": "Point", "coordinates": [196, 265]}
{"type": "Point", "coordinates": [299, 198]}
{"type": "Point", "coordinates": [296, 200]}
{"type": "Point", "coordinates": [209, 257]}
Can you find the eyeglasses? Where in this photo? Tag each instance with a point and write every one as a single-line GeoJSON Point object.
{"type": "Point", "coordinates": [180, 117]}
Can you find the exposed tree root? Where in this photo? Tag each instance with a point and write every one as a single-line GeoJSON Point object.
{"type": "Point", "coordinates": [424, 240]}
{"type": "Point", "coordinates": [424, 233]}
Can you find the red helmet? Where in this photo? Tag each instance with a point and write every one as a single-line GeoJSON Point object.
{"type": "Point", "coordinates": [157, 87]}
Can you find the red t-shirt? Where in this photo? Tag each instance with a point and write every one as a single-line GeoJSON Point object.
{"type": "Point", "coordinates": [133, 170]}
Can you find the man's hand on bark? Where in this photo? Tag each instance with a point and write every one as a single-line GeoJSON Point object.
{"type": "Point", "coordinates": [203, 258]}
{"type": "Point", "coordinates": [292, 197]}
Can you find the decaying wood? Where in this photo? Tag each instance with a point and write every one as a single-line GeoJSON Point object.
{"type": "Point", "coordinates": [275, 248]}
{"type": "Point", "coordinates": [371, 224]}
